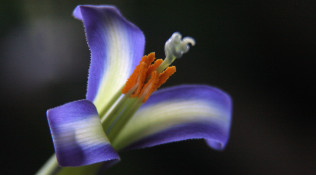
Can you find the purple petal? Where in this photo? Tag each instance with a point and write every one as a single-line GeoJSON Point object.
{"type": "Point", "coordinates": [199, 130]}
{"type": "Point", "coordinates": [78, 135]}
{"type": "Point", "coordinates": [116, 47]}
{"type": "Point", "coordinates": [179, 113]}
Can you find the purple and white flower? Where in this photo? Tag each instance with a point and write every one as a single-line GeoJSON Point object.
{"type": "Point", "coordinates": [92, 130]}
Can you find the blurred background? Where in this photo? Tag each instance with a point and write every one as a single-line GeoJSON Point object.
{"type": "Point", "coordinates": [261, 52]}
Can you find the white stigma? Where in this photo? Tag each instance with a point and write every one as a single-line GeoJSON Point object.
{"type": "Point", "coordinates": [175, 47]}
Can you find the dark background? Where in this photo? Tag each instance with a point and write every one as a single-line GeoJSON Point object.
{"type": "Point", "coordinates": [261, 52]}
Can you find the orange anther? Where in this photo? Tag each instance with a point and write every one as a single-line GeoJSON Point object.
{"type": "Point", "coordinates": [145, 79]}
{"type": "Point", "coordinates": [130, 83]}
{"type": "Point", "coordinates": [154, 66]}
{"type": "Point", "coordinates": [150, 86]}
{"type": "Point", "coordinates": [151, 58]}
{"type": "Point", "coordinates": [163, 77]}
{"type": "Point", "coordinates": [141, 78]}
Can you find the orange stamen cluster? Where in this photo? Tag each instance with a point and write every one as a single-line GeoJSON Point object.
{"type": "Point", "coordinates": [145, 79]}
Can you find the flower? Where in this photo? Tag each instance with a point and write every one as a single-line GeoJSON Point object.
{"type": "Point", "coordinates": [119, 111]}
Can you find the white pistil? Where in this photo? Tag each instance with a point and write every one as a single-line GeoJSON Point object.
{"type": "Point", "coordinates": [175, 47]}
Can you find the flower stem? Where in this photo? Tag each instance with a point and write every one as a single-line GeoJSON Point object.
{"type": "Point", "coordinates": [103, 111]}
{"type": "Point", "coordinates": [50, 167]}
{"type": "Point", "coordinates": [108, 118]}
{"type": "Point", "coordinates": [131, 107]}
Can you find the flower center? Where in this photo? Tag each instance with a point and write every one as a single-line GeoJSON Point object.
{"type": "Point", "coordinates": [145, 79]}
{"type": "Point", "coordinates": [148, 76]}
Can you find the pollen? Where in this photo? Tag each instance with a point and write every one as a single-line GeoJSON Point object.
{"type": "Point", "coordinates": [164, 76]}
{"type": "Point", "coordinates": [145, 79]}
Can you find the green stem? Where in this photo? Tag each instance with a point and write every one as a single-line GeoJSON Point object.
{"type": "Point", "coordinates": [50, 167]}
{"type": "Point", "coordinates": [103, 111]}
{"type": "Point", "coordinates": [110, 117]}
{"type": "Point", "coordinates": [130, 109]}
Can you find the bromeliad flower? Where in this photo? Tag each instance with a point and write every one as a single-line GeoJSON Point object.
{"type": "Point", "coordinates": [119, 111]}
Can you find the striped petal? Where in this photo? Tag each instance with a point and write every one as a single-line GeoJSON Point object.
{"type": "Point", "coordinates": [78, 135]}
{"type": "Point", "coordinates": [179, 113]}
{"type": "Point", "coordinates": [116, 47]}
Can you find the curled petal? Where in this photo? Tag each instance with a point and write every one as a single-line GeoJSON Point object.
{"type": "Point", "coordinates": [116, 47]}
{"type": "Point", "coordinates": [78, 136]}
{"type": "Point", "coordinates": [179, 113]}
